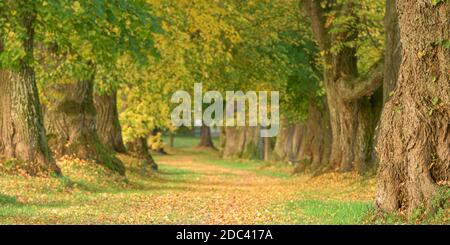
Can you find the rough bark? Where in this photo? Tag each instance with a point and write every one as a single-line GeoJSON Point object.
{"type": "Point", "coordinates": [108, 124]}
{"type": "Point", "coordinates": [315, 148]}
{"type": "Point", "coordinates": [351, 110]}
{"type": "Point", "coordinates": [205, 138]}
{"type": "Point", "coordinates": [414, 139]}
{"type": "Point", "coordinates": [71, 124]}
{"type": "Point", "coordinates": [139, 148]}
{"type": "Point", "coordinates": [393, 47]}
{"type": "Point", "coordinates": [22, 133]}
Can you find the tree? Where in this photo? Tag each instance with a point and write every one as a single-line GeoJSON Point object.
{"type": "Point", "coordinates": [241, 142]}
{"type": "Point", "coordinates": [414, 144]}
{"type": "Point", "coordinates": [337, 28]}
{"type": "Point", "coordinates": [71, 122]}
{"type": "Point", "coordinates": [22, 133]}
{"type": "Point", "coordinates": [306, 134]}
{"type": "Point", "coordinates": [87, 62]}
{"type": "Point", "coordinates": [139, 148]}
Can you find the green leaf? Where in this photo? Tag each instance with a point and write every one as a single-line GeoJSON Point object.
{"type": "Point", "coordinates": [436, 2]}
{"type": "Point", "coordinates": [435, 101]}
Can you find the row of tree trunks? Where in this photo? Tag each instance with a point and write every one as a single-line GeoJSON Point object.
{"type": "Point", "coordinates": [286, 145]}
{"type": "Point", "coordinates": [414, 138]}
{"type": "Point", "coordinates": [22, 133]}
{"type": "Point", "coordinates": [241, 142]}
{"type": "Point", "coordinates": [308, 143]}
{"type": "Point", "coordinates": [315, 145]}
{"type": "Point", "coordinates": [108, 125]}
{"type": "Point", "coordinates": [281, 149]}
{"type": "Point", "coordinates": [71, 124]}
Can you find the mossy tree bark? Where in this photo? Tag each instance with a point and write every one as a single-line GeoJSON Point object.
{"type": "Point", "coordinates": [22, 133]}
{"type": "Point", "coordinates": [108, 124]}
{"type": "Point", "coordinates": [414, 138]}
{"type": "Point", "coordinates": [71, 124]}
{"type": "Point", "coordinates": [353, 115]}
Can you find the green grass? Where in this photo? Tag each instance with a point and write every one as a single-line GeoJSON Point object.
{"type": "Point", "coordinates": [177, 174]}
{"type": "Point", "coordinates": [5, 199]}
{"type": "Point", "coordinates": [258, 167]}
{"type": "Point", "coordinates": [186, 141]}
{"type": "Point", "coordinates": [327, 212]}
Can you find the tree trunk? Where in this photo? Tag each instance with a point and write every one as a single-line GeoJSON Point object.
{"type": "Point", "coordinates": [289, 141]}
{"type": "Point", "coordinates": [139, 148]}
{"type": "Point", "coordinates": [352, 112]}
{"type": "Point", "coordinates": [353, 125]}
{"type": "Point", "coordinates": [280, 151]}
{"type": "Point", "coordinates": [242, 142]}
{"type": "Point", "coordinates": [414, 139]}
{"type": "Point", "coordinates": [234, 142]}
{"type": "Point", "coordinates": [222, 137]}
{"type": "Point", "coordinates": [393, 47]}
{"type": "Point", "coordinates": [71, 122]}
{"type": "Point", "coordinates": [251, 143]}
{"type": "Point", "coordinates": [22, 133]}
{"type": "Point", "coordinates": [267, 149]}
{"type": "Point", "coordinates": [205, 138]}
{"type": "Point", "coordinates": [108, 125]}
{"type": "Point", "coordinates": [315, 148]}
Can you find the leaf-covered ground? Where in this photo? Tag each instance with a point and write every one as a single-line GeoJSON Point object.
{"type": "Point", "coordinates": [192, 187]}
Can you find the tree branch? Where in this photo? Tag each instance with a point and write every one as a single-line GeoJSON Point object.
{"type": "Point", "coordinates": [355, 88]}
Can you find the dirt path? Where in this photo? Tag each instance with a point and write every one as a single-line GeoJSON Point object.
{"type": "Point", "coordinates": [220, 195]}
{"type": "Point", "coordinates": [192, 187]}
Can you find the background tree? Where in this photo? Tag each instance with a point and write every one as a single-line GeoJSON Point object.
{"type": "Point", "coordinates": [344, 30]}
